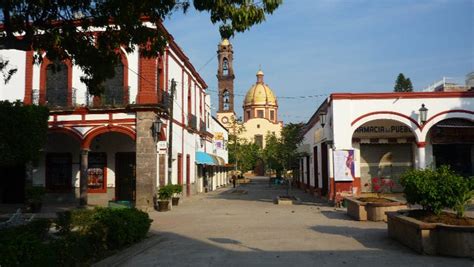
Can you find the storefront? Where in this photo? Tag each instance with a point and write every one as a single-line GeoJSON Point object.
{"type": "Point", "coordinates": [353, 138]}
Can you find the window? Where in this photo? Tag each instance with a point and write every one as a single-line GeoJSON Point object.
{"type": "Point", "coordinates": [248, 114]}
{"type": "Point", "coordinates": [113, 87]}
{"type": "Point", "coordinates": [272, 115]}
{"type": "Point", "coordinates": [225, 99]}
{"type": "Point", "coordinates": [225, 67]}
{"type": "Point", "coordinates": [259, 113]}
{"type": "Point", "coordinates": [258, 126]}
{"type": "Point", "coordinates": [57, 84]}
{"type": "Point", "coordinates": [259, 140]}
{"type": "Point", "coordinates": [190, 103]}
{"type": "Point", "coordinates": [96, 172]}
{"type": "Point", "coordinates": [58, 171]}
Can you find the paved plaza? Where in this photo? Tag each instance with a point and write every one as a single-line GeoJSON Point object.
{"type": "Point", "coordinates": [243, 227]}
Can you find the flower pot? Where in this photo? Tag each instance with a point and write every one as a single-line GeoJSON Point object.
{"type": "Point", "coordinates": [163, 205]}
{"type": "Point", "coordinates": [175, 201]}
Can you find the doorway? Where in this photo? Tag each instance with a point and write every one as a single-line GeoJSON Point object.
{"type": "Point", "coordinates": [188, 175]}
{"type": "Point", "coordinates": [457, 156]}
{"type": "Point", "coordinates": [12, 184]}
{"type": "Point", "coordinates": [324, 169]}
{"type": "Point", "coordinates": [125, 176]}
{"type": "Point", "coordinates": [316, 167]}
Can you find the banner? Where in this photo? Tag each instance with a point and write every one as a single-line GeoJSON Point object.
{"type": "Point", "coordinates": [344, 169]}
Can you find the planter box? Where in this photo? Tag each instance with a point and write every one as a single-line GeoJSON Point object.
{"type": "Point", "coordinates": [372, 211]}
{"type": "Point", "coordinates": [285, 200]}
{"type": "Point", "coordinates": [431, 238]}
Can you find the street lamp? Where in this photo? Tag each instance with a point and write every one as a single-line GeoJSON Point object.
{"type": "Point", "coordinates": [156, 129]}
{"type": "Point", "coordinates": [322, 118]}
{"type": "Point", "coordinates": [423, 114]}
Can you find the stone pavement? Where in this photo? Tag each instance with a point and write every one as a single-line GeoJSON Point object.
{"type": "Point", "coordinates": [246, 228]}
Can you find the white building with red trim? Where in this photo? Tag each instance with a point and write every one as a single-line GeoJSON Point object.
{"type": "Point", "coordinates": [353, 138]}
{"type": "Point", "coordinates": [118, 143]}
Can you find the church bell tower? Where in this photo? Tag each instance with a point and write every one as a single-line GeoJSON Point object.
{"type": "Point", "coordinates": [225, 83]}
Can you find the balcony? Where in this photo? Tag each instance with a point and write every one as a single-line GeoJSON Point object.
{"type": "Point", "coordinates": [202, 126]}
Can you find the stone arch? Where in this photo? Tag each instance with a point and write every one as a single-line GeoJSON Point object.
{"type": "Point", "coordinates": [105, 129]}
{"type": "Point", "coordinates": [68, 131]}
{"type": "Point", "coordinates": [444, 115]}
{"type": "Point", "coordinates": [388, 115]}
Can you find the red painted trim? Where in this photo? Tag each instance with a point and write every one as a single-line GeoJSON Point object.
{"type": "Point", "coordinates": [43, 76]}
{"type": "Point", "coordinates": [386, 112]}
{"type": "Point", "coordinates": [28, 78]}
{"type": "Point", "coordinates": [92, 122]}
{"type": "Point", "coordinates": [421, 144]}
{"type": "Point", "coordinates": [337, 96]}
{"type": "Point", "coordinates": [105, 129]}
{"type": "Point", "coordinates": [167, 53]}
{"type": "Point", "coordinates": [448, 111]}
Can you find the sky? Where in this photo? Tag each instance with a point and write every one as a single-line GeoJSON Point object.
{"type": "Point", "coordinates": [319, 47]}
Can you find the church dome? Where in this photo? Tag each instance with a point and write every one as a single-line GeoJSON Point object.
{"type": "Point", "coordinates": [260, 93]}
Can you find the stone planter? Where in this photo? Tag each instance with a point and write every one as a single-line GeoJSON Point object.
{"type": "Point", "coordinates": [431, 238]}
{"type": "Point", "coordinates": [175, 201]}
{"type": "Point", "coordinates": [287, 200]}
{"type": "Point", "coordinates": [372, 211]}
{"type": "Point", "coordinates": [163, 205]}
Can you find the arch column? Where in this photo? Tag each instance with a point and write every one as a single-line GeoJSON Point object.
{"type": "Point", "coordinates": [83, 176]}
{"type": "Point", "coordinates": [421, 153]}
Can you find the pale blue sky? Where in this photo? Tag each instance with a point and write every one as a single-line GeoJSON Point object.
{"type": "Point", "coordinates": [310, 47]}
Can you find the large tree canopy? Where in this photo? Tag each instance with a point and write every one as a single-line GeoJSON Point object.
{"type": "Point", "coordinates": [59, 28]}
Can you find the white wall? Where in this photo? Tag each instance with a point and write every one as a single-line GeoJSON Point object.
{"type": "Point", "coordinates": [15, 88]}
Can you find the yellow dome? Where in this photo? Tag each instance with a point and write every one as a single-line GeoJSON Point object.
{"type": "Point", "coordinates": [225, 42]}
{"type": "Point", "coordinates": [260, 93]}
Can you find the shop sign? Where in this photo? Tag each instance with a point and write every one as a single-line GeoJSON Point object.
{"type": "Point", "coordinates": [383, 129]}
{"type": "Point", "coordinates": [218, 136]}
{"type": "Point", "coordinates": [344, 169]}
{"type": "Point", "coordinates": [162, 145]}
{"type": "Point", "coordinates": [318, 135]}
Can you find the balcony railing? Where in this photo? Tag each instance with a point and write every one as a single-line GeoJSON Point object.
{"type": "Point", "coordinates": [202, 126]}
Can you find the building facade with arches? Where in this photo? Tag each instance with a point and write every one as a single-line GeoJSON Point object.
{"type": "Point", "coordinates": [117, 146]}
{"type": "Point", "coordinates": [353, 138]}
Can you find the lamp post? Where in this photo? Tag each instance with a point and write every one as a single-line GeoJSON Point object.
{"type": "Point", "coordinates": [156, 129]}
{"type": "Point", "coordinates": [322, 118]}
{"type": "Point", "coordinates": [423, 114]}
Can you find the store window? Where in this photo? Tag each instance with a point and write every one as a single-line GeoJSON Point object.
{"type": "Point", "coordinates": [96, 173]}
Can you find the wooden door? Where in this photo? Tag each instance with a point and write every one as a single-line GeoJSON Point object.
{"type": "Point", "coordinates": [125, 180]}
{"type": "Point", "coordinates": [316, 167]}
{"type": "Point", "coordinates": [324, 169]}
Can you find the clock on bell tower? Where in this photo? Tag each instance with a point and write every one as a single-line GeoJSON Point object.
{"type": "Point", "coordinates": [225, 83]}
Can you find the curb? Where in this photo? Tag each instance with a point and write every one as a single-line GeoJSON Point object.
{"type": "Point", "coordinates": [121, 256]}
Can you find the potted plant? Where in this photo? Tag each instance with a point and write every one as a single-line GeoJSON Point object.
{"type": "Point", "coordinates": [164, 195]}
{"type": "Point", "coordinates": [374, 208]}
{"type": "Point", "coordinates": [441, 226]}
{"type": "Point", "coordinates": [34, 198]}
{"type": "Point", "coordinates": [177, 191]}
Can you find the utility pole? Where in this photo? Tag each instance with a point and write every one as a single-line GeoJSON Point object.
{"type": "Point", "coordinates": [170, 137]}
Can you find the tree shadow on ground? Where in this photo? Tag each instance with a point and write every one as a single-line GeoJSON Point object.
{"type": "Point", "coordinates": [171, 249]}
{"type": "Point", "coordinates": [336, 215]}
{"type": "Point", "coordinates": [369, 237]}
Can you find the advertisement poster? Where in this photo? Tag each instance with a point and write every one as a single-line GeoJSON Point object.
{"type": "Point", "coordinates": [344, 169]}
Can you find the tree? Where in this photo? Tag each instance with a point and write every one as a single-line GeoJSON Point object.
{"type": "Point", "coordinates": [59, 28]}
{"type": "Point", "coordinates": [248, 155]}
{"type": "Point", "coordinates": [281, 153]}
{"type": "Point", "coordinates": [403, 84]}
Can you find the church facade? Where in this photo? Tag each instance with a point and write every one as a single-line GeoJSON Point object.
{"type": "Point", "coordinates": [260, 105]}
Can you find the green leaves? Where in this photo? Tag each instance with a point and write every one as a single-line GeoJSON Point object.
{"type": "Point", "coordinates": [438, 189]}
{"type": "Point", "coordinates": [22, 132]}
{"type": "Point", "coordinates": [66, 27]}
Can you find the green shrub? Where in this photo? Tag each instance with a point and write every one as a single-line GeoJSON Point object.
{"type": "Point", "coordinates": [25, 245]}
{"type": "Point", "coordinates": [177, 189]}
{"type": "Point", "coordinates": [121, 227]}
{"type": "Point", "coordinates": [166, 192]}
{"type": "Point", "coordinates": [80, 219]}
{"type": "Point", "coordinates": [438, 189]}
{"type": "Point", "coordinates": [34, 194]}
